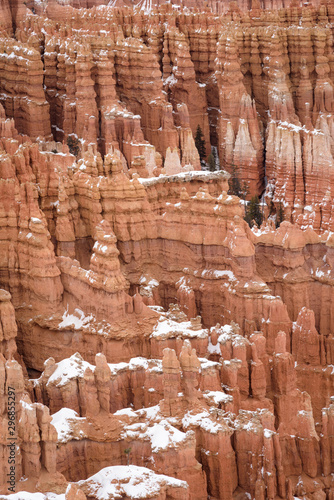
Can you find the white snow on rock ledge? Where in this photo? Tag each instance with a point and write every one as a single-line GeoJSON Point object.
{"type": "Point", "coordinates": [75, 367]}
{"type": "Point", "coordinates": [128, 481]}
{"type": "Point", "coordinates": [216, 274]}
{"type": "Point", "coordinates": [196, 175]}
{"type": "Point", "coordinates": [69, 368]}
{"type": "Point", "coordinates": [76, 320]}
{"type": "Point", "coordinates": [162, 435]}
{"type": "Point", "coordinates": [218, 397]}
{"type": "Point", "coordinates": [203, 420]}
{"type": "Point", "coordinates": [63, 422]}
{"type": "Point", "coordinates": [168, 328]}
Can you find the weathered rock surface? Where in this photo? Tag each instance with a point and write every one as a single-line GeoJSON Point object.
{"type": "Point", "coordinates": [8, 329]}
{"type": "Point", "coordinates": [155, 344]}
{"type": "Point", "coordinates": [141, 82]}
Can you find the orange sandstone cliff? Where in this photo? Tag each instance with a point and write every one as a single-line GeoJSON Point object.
{"type": "Point", "coordinates": [154, 345]}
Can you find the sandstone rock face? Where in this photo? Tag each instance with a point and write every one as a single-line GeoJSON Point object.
{"type": "Point", "coordinates": [143, 82]}
{"type": "Point", "coordinates": [8, 326]}
{"type": "Point", "coordinates": [158, 347]}
{"type": "Point", "coordinates": [22, 93]}
{"type": "Point", "coordinates": [239, 134]}
{"type": "Point", "coordinates": [6, 17]}
{"type": "Point", "coordinates": [32, 438]}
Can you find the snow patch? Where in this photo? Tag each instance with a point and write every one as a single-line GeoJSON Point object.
{"type": "Point", "coordinates": [167, 328]}
{"type": "Point", "coordinates": [63, 422]}
{"type": "Point", "coordinates": [162, 435]}
{"type": "Point", "coordinates": [202, 420]}
{"type": "Point", "coordinates": [127, 481]}
{"type": "Point", "coordinates": [76, 320]}
{"type": "Point", "coordinates": [218, 397]}
{"type": "Point", "coordinates": [68, 369]}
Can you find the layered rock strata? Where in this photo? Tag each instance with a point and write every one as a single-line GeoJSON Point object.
{"type": "Point", "coordinates": [156, 345]}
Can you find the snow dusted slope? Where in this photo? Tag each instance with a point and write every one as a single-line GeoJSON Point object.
{"type": "Point", "coordinates": [132, 482]}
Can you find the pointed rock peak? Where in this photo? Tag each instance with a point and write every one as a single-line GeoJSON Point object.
{"type": "Point", "coordinates": [170, 363]}
{"type": "Point", "coordinates": [306, 319]}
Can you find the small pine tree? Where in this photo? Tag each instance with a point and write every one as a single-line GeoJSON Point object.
{"type": "Point", "coordinates": [280, 215]}
{"type": "Point", "coordinates": [244, 191]}
{"type": "Point", "coordinates": [234, 182]}
{"type": "Point", "coordinates": [127, 452]}
{"type": "Point", "coordinates": [200, 143]}
{"type": "Point", "coordinates": [253, 212]}
{"type": "Point", "coordinates": [211, 163]}
{"type": "Point", "coordinates": [73, 145]}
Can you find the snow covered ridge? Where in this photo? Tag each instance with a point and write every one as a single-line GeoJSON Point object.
{"type": "Point", "coordinates": [204, 421]}
{"type": "Point", "coordinates": [64, 421]}
{"type": "Point", "coordinates": [218, 397]}
{"type": "Point", "coordinates": [69, 369]}
{"type": "Point", "coordinates": [79, 320]}
{"type": "Point", "coordinates": [297, 128]}
{"type": "Point", "coordinates": [155, 429]}
{"type": "Point", "coordinates": [116, 482]}
{"type": "Point", "coordinates": [168, 328]}
{"type": "Point", "coordinates": [129, 481]}
{"type": "Point", "coordinates": [216, 274]}
{"type": "Point", "coordinates": [75, 367]}
{"type": "Point", "coordinates": [162, 435]}
{"type": "Point", "coordinates": [204, 176]}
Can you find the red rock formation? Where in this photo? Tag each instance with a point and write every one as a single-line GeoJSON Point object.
{"type": "Point", "coordinates": [240, 141]}
{"type": "Point", "coordinates": [8, 328]}
{"type": "Point", "coordinates": [6, 16]}
{"type": "Point", "coordinates": [22, 94]}
{"type": "Point", "coordinates": [305, 339]}
{"type": "Point", "coordinates": [180, 83]}
{"type": "Point", "coordinates": [31, 438]}
{"type": "Point", "coordinates": [165, 338]}
{"type": "Point", "coordinates": [275, 64]}
{"type": "Point", "coordinates": [294, 273]}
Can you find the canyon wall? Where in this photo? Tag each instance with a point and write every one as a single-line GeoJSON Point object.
{"type": "Point", "coordinates": [259, 84]}
{"type": "Point", "coordinates": [157, 346]}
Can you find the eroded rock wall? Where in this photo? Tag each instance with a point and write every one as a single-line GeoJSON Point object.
{"type": "Point", "coordinates": [150, 336]}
